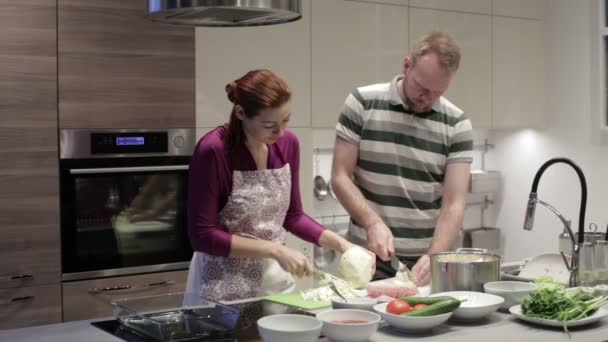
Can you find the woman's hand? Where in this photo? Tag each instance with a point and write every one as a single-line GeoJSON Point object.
{"type": "Point", "coordinates": [292, 261]}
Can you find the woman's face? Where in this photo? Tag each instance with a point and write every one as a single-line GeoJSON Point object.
{"type": "Point", "coordinates": [268, 126]}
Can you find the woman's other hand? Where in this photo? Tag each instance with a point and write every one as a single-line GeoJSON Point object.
{"type": "Point", "coordinates": [292, 261]}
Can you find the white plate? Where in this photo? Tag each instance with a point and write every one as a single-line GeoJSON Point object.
{"type": "Point", "coordinates": [597, 315]}
{"type": "Point", "coordinates": [408, 323]}
{"type": "Point", "coordinates": [476, 305]}
{"type": "Point", "coordinates": [551, 265]}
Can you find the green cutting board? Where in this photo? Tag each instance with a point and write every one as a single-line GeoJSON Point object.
{"type": "Point", "coordinates": [294, 299]}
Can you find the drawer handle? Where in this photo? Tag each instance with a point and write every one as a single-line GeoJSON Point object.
{"type": "Point", "coordinates": [21, 276]}
{"type": "Point", "coordinates": [161, 283]}
{"type": "Point", "coordinates": [109, 289]}
{"type": "Point", "coordinates": [22, 299]}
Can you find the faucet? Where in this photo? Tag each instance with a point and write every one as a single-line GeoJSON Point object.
{"type": "Point", "coordinates": [531, 209]}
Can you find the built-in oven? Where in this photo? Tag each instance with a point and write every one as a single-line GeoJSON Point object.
{"type": "Point", "coordinates": [123, 201]}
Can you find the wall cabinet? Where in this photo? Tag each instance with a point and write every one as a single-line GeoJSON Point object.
{"type": "Point", "coordinates": [92, 298]}
{"type": "Point", "coordinates": [225, 54]}
{"type": "Point", "coordinates": [470, 6]}
{"type": "Point", "coordinates": [471, 88]}
{"type": "Point", "coordinates": [353, 44]}
{"type": "Point", "coordinates": [531, 9]}
{"type": "Point", "coordinates": [518, 81]}
{"type": "Point", "coordinates": [120, 70]}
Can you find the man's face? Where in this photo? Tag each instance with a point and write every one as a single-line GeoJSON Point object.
{"type": "Point", "coordinates": [269, 125]}
{"type": "Point", "coordinates": [424, 82]}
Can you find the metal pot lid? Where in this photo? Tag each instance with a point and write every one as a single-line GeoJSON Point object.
{"type": "Point", "coordinates": [230, 13]}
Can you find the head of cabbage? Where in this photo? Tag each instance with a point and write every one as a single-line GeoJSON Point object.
{"type": "Point", "coordinates": [356, 267]}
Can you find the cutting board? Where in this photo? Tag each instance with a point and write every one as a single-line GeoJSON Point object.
{"type": "Point", "coordinates": [294, 299]}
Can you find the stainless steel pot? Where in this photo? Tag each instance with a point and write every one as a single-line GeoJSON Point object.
{"type": "Point", "coordinates": [465, 269]}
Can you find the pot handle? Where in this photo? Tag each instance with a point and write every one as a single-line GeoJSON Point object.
{"type": "Point", "coordinates": [471, 250]}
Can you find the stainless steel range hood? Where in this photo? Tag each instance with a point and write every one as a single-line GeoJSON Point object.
{"type": "Point", "coordinates": [224, 12]}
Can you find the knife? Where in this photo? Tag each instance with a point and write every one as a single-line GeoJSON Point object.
{"type": "Point", "coordinates": [403, 272]}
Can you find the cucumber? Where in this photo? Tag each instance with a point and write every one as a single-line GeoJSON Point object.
{"type": "Point", "coordinates": [448, 304]}
{"type": "Point", "coordinates": [424, 300]}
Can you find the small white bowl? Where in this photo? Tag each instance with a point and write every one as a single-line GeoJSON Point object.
{"type": "Point", "coordinates": [409, 323]}
{"type": "Point", "coordinates": [513, 292]}
{"type": "Point", "coordinates": [287, 327]}
{"type": "Point", "coordinates": [336, 330]}
{"type": "Point", "coordinates": [474, 306]}
{"type": "Point", "coordinates": [361, 303]}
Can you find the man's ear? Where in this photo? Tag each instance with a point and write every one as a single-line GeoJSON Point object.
{"type": "Point", "coordinates": [239, 111]}
{"type": "Point", "coordinates": [407, 63]}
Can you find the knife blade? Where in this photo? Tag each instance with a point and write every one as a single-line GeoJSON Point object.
{"type": "Point", "coordinates": [403, 272]}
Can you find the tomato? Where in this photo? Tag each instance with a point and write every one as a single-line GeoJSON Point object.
{"type": "Point", "coordinates": [419, 306]}
{"type": "Point", "coordinates": [398, 306]}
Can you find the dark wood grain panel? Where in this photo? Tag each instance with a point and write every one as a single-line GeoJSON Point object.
{"type": "Point", "coordinates": [35, 247]}
{"type": "Point", "coordinates": [35, 138]}
{"type": "Point", "coordinates": [120, 70]}
{"type": "Point", "coordinates": [28, 306]}
{"type": "Point", "coordinates": [29, 211]}
{"type": "Point", "coordinates": [79, 303]}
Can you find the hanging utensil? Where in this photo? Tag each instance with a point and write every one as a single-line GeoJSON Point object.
{"type": "Point", "coordinates": [319, 184]}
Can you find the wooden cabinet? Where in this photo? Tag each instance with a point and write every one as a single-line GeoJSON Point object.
{"type": "Point", "coordinates": [471, 88]}
{"type": "Point", "coordinates": [353, 44]}
{"type": "Point", "coordinates": [225, 54]}
{"type": "Point", "coordinates": [470, 6]}
{"type": "Point", "coordinates": [92, 298]}
{"type": "Point", "coordinates": [27, 306]}
{"type": "Point", "coordinates": [531, 9]}
{"type": "Point", "coordinates": [120, 70]}
{"type": "Point", "coordinates": [518, 80]}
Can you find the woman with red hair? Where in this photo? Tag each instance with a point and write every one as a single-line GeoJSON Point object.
{"type": "Point", "coordinates": [244, 196]}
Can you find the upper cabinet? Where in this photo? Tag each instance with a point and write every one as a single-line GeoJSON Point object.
{"type": "Point", "coordinates": [518, 73]}
{"type": "Point", "coordinates": [353, 44]}
{"type": "Point", "coordinates": [227, 53]}
{"type": "Point", "coordinates": [531, 9]}
{"type": "Point", "coordinates": [119, 70]}
{"type": "Point", "coordinates": [471, 88]}
{"type": "Point", "coordinates": [470, 6]}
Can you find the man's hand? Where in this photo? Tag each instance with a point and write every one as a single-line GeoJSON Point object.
{"type": "Point", "coordinates": [422, 270]}
{"type": "Point", "coordinates": [380, 240]}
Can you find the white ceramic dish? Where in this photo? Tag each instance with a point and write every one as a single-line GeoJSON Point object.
{"type": "Point", "coordinates": [475, 305]}
{"type": "Point", "coordinates": [551, 265]}
{"type": "Point", "coordinates": [513, 292]}
{"type": "Point", "coordinates": [410, 324]}
{"type": "Point", "coordinates": [597, 315]}
{"type": "Point", "coordinates": [352, 332]}
{"type": "Point", "coordinates": [288, 327]}
{"type": "Point", "coordinates": [362, 303]}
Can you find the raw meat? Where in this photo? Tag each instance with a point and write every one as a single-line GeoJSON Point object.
{"type": "Point", "coordinates": [391, 287]}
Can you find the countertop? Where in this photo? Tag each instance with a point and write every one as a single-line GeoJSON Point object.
{"type": "Point", "coordinates": [495, 328]}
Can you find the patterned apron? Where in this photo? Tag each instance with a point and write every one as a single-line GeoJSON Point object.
{"type": "Point", "coordinates": [256, 209]}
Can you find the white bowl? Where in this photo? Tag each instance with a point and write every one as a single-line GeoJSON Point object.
{"type": "Point", "coordinates": [513, 292]}
{"type": "Point", "coordinates": [361, 303]}
{"type": "Point", "coordinates": [292, 328]}
{"type": "Point", "coordinates": [409, 323]}
{"type": "Point", "coordinates": [474, 306]}
{"type": "Point", "coordinates": [352, 332]}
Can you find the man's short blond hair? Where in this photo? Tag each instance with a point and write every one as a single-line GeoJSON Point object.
{"type": "Point", "coordinates": [441, 44]}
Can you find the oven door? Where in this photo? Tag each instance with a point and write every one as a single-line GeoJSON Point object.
{"type": "Point", "coordinates": [126, 218]}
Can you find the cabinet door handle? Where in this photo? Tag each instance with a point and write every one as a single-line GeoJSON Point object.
{"type": "Point", "coordinates": [22, 299]}
{"type": "Point", "coordinates": [21, 276]}
{"type": "Point", "coordinates": [161, 283]}
{"type": "Point", "coordinates": [109, 289]}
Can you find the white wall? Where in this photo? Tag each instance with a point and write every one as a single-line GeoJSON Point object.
{"type": "Point", "coordinates": [569, 134]}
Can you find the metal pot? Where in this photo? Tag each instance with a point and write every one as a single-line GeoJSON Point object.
{"type": "Point", "coordinates": [466, 269]}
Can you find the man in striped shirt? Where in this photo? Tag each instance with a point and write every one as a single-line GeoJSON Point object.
{"type": "Point", "coordinates": [402, 160]}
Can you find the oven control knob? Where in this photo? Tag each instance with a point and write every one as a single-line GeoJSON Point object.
{"type": "Point", "coordinates": [178, 141]}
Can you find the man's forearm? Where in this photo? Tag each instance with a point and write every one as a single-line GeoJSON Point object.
{"type": "Point", "coordinates": [447, 229]}
{"type": "Point", "coordinates": [354, 202]}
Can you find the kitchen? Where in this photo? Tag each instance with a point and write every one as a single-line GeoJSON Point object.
{"type": "Point", "coordinates": [299, 53]}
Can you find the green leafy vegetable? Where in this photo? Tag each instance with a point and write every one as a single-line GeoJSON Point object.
{"type": "Point", "coordinates": [553, 301]}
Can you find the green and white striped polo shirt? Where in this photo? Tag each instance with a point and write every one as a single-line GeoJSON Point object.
{"type": "Point", "coordinates": [402, 159]}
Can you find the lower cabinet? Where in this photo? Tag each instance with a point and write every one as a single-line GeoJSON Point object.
{"type": "Point", "coordinates": [92, 298]}
{"type": "Point", "coordinates": [31, 305]}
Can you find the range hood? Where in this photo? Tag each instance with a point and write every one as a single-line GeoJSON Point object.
{"type": "Point", "coordinates": [224, 12]}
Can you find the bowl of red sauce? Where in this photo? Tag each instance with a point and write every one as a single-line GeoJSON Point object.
{"type": "Point", "coordinates": [349, 324]}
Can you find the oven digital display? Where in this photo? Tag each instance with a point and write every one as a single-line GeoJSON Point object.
{"type": "Point", "coordinates": [130, 141]}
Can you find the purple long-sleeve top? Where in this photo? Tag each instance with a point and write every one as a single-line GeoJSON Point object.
{"type": "Point", "coordinates": [210, 185]}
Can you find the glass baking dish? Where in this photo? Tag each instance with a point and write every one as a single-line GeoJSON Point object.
{"type": "Point", "coordinates": [165, 318]}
